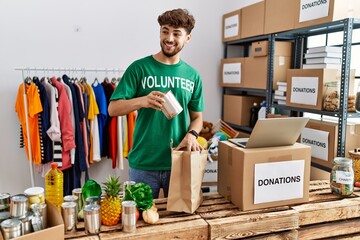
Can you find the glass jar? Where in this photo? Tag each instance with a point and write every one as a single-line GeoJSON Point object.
{"type": "Point", "coordinates": [35, 195]}
{"type": "Point", "coordinates": [355, 157]}
{"type": "Point", "coordinates": [331, 96]}
{"type": "Point", "coordinates": [357, 98]}
{"type": "Point", "coordinates": [342, 177]}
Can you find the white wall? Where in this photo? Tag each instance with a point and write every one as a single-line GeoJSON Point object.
{"type": "Point", "coordinates": [111, 34]}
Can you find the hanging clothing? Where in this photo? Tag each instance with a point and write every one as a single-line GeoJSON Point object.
{"type": "Point", "coordinates": [102, 116]}
{"type": "Point", "coordinates": [45, 123]}
{"type": "Point", "coordinates": [108, 89]}
{"type": "Point", "coordinates": [54, 131]}
{"type": "Point", "coordinates": [72, 116]}
{"type": "Point", "coordinates": [67, 132]}
{"type": "Point", "coordinates": [34, 108]}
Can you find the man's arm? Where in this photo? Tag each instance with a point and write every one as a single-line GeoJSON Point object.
{"type": "Point", "coordinates": [122, 107]}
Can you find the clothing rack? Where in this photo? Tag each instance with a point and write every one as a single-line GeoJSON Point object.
{"type": "Point", "coordinates": [34, 69]}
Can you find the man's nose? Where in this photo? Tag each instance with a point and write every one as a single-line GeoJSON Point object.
{"type": "Point", "coordinates": [170, 38]}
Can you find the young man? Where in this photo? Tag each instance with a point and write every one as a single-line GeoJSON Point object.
{"type": "Point", "coordinates": [143, 87]}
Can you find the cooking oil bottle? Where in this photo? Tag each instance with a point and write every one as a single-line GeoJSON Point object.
{"type": "Point", "coordinates": [54, 185]}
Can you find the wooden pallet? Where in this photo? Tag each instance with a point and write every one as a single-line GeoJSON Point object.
{"type": "Point", "coordinates": [171, 225]}
{"type": "Point", "coordinates": [325, 216]}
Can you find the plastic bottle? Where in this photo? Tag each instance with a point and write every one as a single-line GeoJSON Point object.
{"type": "Point", "coordinates": [54, 185]}
{"type": "Point", "coordinates": [253, 114]}
{"type": "Point", "coordinates": [262, 111]}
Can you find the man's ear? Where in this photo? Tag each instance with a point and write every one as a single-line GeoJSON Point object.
{"type": "Point", "coordinates": [188, 37]}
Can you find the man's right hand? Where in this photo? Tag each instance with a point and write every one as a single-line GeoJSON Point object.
{"type": "Point", "coordinates": [154, 100]}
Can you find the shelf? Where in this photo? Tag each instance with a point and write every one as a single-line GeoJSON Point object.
{"type": "Point", "coordinates": [299, 37]}
{"type": "Point", "coordinates": [320, 112]}
{"type": "Point", "coordinates": [244, 91]}
{"type": "Point", "coordinates": [324, 28]}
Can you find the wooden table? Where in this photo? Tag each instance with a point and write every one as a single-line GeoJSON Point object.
{"type": "Point", "coordinates": [325, 216]}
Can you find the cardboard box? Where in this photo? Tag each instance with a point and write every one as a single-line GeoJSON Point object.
{"type": "Point", "coordinates": [252, 20]}
{"type": "Point", "coordinates": [318, 174]}
{"type": "Point", "coordinates": [309, 12]}
{"type": "Point", "coordinates": [255, 70]}
{"type": "Point", "coordinates": [210, 174]}
{"type": "Point", "coordinates": [264, 177]}
{"type": "Point", "coordinates": [237, 108]}
{"type": "Point", "coordinates": [322, 137]}
{"type": "Point", "coordinates": [54, 231]}
{"type": "Point", "coordinates": [231, 26]}
{"type": "Point", "coordinates": [225, 164]}
{"type": "Point", "coordinates": [232, 72]}
{"type": "Point", "coordinates": [305, 87]}
{"type": "Point", "coordinates": [275, 22]}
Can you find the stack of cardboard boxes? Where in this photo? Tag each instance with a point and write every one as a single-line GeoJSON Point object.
{"type": "Point", "coordinates": [240, 171]}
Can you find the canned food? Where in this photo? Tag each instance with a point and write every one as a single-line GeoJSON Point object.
{"type": "Point", "coordinates": [18, 206]}
{"type": "Point", "coordinates": [26, 226]}
{"type": "Point", "coordinates": [78, 193]}
{"type": "Point", "coordinates": [171, 106]}
{"type": "Point", "coordinates": [92, 219]}
{"type": "Point", "coordinates": [35, 195]}
{"type": "Point", "coordinates": [74, 199]}
{"type": "Point", "coordinates": [40, 211]}
{"type": "Point", "coordinates": [4, 202]}
{"type": "Point", "coordinates": [11, 228]}
{"type": "Point", "coordinates": [68, 214]}
{"type": "Point", "coordinates": [128, 216]}
{"type": "Point", "coordinates": [4, 216]}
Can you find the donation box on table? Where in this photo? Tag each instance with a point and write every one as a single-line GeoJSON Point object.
{"type": "Point", "coordinates": [264, 177]}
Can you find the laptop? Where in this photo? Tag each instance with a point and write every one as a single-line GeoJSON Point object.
{"type": "Point", "coordinates": [272, 132]}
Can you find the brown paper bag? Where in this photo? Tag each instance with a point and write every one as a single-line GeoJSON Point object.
{"type": "Point", "coordinates": [187, 172]}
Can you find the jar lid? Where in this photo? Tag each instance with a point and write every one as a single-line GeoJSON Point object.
{"type": "Point", "coordinates": [92, 208]}
{"type": "Point", "coordinates": [355, 152]}
{"type": "Point", "coordinates": [332, 84]}
{"type": "Point", "coordinates": [11, 223]}
{"type": "Point", "coordinates": [68, 205]}
{"type": "Point", "coordinates": [4, 196]}
{"type": "Point", "coordinates": [34, 191]}
{"type": "Point", "coordinates": [19, 198]}
{"type": "Point", "coordinates": [343, 161]}
{"type": "Point", "coordinates": [71, 198]}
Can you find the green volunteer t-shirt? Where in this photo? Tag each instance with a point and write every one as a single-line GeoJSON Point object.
{"type": "Point", "coordinates": [153, 131]}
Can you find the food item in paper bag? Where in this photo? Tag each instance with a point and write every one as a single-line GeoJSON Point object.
{"type": "Point", "coordinates": [111, 205]}
{"type": "Point", "coordinates": [141, 193]}
{"type": "Point", "coordinates": [151, 215]}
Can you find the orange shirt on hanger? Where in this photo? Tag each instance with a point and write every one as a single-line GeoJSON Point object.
{"type": "Point", "coordinates": [34, 107]}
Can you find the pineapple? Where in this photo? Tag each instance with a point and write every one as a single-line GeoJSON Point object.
{"type": "Point", "coordinates": [111, 205]}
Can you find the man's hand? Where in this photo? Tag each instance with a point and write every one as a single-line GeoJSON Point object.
{"type": "Point", "coordinates": [154, 100]}
{"type": "Point", "coordinates": [190, 143]}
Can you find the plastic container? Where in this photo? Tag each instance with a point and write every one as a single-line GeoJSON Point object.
{"type": "Point", "coordinates": [262, 110]}
{"type": "Point", "coordinates": [331, 96]}
{"type": "Point", "coordinates": [54, 184]}
{"type": "Point", "coordinates": [342, 177]}
{"type": "Point", "coordinates": [253, 114]}
{"type": "Point", "coordinates": [35, 195]}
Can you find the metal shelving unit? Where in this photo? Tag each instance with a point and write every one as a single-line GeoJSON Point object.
{"type": "Point", "coordinates": [299, 37]}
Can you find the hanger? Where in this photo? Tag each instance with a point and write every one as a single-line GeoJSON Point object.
{"type": "Point", "coordinates": [96, 82]}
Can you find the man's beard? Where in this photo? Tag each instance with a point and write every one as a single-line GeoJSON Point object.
{"type": "Point", "coordinates": [170, 54]}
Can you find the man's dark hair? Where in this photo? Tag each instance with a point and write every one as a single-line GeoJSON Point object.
{"type": "Point", "coordinates": [177, 18]}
